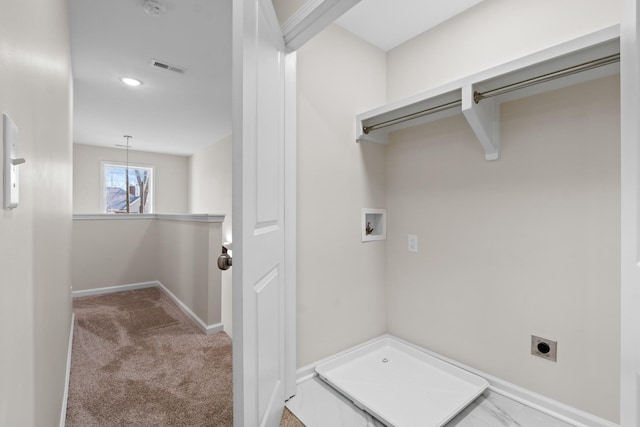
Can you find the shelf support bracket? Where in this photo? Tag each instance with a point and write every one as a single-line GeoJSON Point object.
{"type": "Point", "coordinates": [484, 119]}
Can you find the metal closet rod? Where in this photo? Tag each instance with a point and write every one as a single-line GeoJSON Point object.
{"type": "Point", "coordinates": [443, 107]}
{"type": "Point", "coordinates": [585, 66]}
{"type": "Point", "coordinates": [479, 96]}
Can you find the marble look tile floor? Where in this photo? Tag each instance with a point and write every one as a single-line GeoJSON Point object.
{"type": "Point", "coordinates": [318, 405]}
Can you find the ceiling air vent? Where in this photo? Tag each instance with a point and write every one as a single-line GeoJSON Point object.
{"type": "Point", "coordinates": [153, 7]}
{"type": "Point", "coordinates": [166, 66]}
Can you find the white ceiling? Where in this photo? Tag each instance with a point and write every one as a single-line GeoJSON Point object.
{"type": "Point", "coordinates": [389, 23]}
{"type": "Point", "coordinates": [170, 112]}
{"type": "Point", "coordinates": [183, 113]}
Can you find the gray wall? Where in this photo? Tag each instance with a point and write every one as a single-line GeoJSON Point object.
{"type": "Point", "coordinates": [341, 295]}
{"type": "Point", "coordinates": [112, 252]}
{"type": "Point", "coordinates": [549, 208]}
{"type": "Point", "coordinates": [187, 254]}
{"type": "Point", "coordinates": [171, 180]}
{"type": "Point", "coordinates": [490, 34]}
{"type": "Point", "coordinates": [35, 247]}
{"type": "Point", "coordinates": [210, 192]}
{"type": "Point", "coordinates": [528, 244]}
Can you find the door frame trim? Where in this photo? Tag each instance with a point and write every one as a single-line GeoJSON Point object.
{"type": "Point", "coordinates": [313, 17]}
{"type": "Point", "coordinates": [630, 215]}
{"type": "Point", "coordinates": [290, 215]}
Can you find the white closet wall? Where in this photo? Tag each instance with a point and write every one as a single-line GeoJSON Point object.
{"type": "Point", "coordinates": [490, 34]}
{"type": "Point", "coordinates": [527, 244]}
{"type": "Point", "coordinates": [341, 297]}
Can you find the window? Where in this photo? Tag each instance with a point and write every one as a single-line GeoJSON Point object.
{"type": "Point", "coordinates": [121, 195]}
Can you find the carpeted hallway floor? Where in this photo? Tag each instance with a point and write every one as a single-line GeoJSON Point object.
{"type": "Point", "coordinates": [138, 360]}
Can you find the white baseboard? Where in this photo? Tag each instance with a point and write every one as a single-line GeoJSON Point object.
{"type": "Point", "coordinates": [529, 398]}
{"type": "Point", "coordinates": [65, 395]}
{"type": "Point", "coordinates": [207, 329]}
{"type": "Point", "coordinates": [111, 289]}
{"type": "Point", "coordinates": [309, 371]}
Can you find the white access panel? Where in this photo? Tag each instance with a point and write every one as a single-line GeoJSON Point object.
{"type": "Point", "coordinates": [10, 163]}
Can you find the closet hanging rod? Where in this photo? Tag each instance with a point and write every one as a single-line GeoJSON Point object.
{"type": "Point", "coordinates": [432, 110]}
{"type": "Point", "coordinates": [479, 96]}
{"type": "Point", "coordinates": [565, 72]}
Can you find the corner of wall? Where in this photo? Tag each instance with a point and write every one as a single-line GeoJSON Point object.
{"type": "Point", "coordinates": [340, 280]}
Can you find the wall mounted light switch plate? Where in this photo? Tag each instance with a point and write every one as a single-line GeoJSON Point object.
{"type": "Point", "coordinates": [412, 243]}
{"type": "Point", "coordinates": [10, 162]}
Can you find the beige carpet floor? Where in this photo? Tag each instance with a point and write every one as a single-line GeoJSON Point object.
{"type": "Point", "coordinates": [290, 420]}
{"type": "Point", "coordinates": [138, 360]}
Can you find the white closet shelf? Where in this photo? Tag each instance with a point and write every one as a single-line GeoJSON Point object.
{"type": "Point", "coordinates": [484, 116]}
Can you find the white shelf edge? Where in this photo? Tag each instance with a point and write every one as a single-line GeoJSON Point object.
{"type": "Point", "coordinates": [484, 117]}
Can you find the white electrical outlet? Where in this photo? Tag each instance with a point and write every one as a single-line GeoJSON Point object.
{"type": "Point", "coordinates": [412, 243]}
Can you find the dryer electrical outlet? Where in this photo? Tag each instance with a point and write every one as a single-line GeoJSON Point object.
{"type": "Point", "coordinates": [10, 163]}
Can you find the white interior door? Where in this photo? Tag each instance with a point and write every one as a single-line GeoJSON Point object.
{"type": "Point", "coordinates": [258, 215]}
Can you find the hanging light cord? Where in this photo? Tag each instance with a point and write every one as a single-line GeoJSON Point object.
{"type": "Point", "coordinates": [126, 180]}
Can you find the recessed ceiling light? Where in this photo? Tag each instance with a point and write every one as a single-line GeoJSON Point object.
{"type": "Point", "coordinates": [130, 81]}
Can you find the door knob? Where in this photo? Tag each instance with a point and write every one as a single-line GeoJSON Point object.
{"type": "Point", "coordinates": [224, 260]}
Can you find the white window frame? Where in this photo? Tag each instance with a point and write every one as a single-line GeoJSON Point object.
{"type": "Point", "coordinates": [103, 185]}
